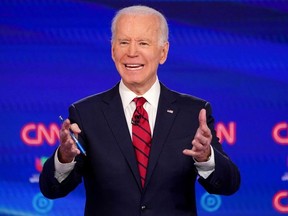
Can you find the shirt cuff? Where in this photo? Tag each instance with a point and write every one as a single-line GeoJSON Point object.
{"type": "Point", "coordinates": [206, 168]}
{"type": "Point", "coordinates": [62, 170]}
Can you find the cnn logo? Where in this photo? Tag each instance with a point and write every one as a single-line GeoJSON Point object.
{"type": "Point", "coordinates": [35, 134]}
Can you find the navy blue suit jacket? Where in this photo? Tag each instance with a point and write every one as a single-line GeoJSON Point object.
{"type": "Point", "coordinates": [110, 171]}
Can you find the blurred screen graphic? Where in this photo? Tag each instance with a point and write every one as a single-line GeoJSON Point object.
{"type": "Point", "coordinates": [233, 53]}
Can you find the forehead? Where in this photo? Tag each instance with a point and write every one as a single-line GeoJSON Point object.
{"type": "Point", "coordinates": [137, 25]}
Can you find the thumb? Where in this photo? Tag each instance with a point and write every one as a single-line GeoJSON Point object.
{"type": "Point", "coordinates": [202, 118]}
{"type": "Point", "coordinates": [75, 128]}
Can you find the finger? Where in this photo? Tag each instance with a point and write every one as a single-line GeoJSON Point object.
{"type": "Point", "coordinates": [66, 142]}
{"type": "Point", "coordinates": [199, 153]}
{"type": "Point", "coordinates": [64, 136]}
{"type": "Point", "coordinates": [198, 146]}
{"type": "Point", "coordinates": [192, 153]}
{"type": "Point", "coordinates": [64, 131]}
{"type": "Point", "coordinates": [202, 118]}
{"type": "Point", "coordinates": [68, 153]}
{"type": "Point", "coordinates": [75, 128]}
{"type": "Point", "coordinates": [203, 127]}
{"type": "Point", "coordinates": [203, 139]}
{"type": "Point", "coordinates": [67, 127]}
{"type": "Point", "coordinates": [66, 124]}
{"type": "Point", "coordinates": [189, 152]}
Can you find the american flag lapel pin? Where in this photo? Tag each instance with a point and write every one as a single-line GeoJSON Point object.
{"type": "Point", "coordinates": [170, 111]}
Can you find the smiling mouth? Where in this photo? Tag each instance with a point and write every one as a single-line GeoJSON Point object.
{"type": "Point", "coordinates": [134, 66]}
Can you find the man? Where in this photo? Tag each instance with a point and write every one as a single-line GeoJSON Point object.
{"type": "Point", "coordinates": [175, 130]}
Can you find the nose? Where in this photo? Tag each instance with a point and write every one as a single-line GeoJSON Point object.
{"type": "Point", "coordinates": [132, 50]}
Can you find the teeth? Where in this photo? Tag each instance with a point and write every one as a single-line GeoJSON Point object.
{"type": "Point", "coordinates": [134, 66]}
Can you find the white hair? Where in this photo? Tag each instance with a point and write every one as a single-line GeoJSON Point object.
{"type": "Point", "coordinates": [143, 10]}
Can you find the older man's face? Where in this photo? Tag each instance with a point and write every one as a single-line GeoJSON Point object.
{"type": "Point", "coordinates": [137, 52]}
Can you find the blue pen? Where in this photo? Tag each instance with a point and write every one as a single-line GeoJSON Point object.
{"type": "Point", "coordinates": [75, 139]}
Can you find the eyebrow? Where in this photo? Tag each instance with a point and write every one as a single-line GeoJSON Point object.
{"type": "Point", "coordinates": [137, 40]}
{"type": "Point", "coordinates": [144, 39]}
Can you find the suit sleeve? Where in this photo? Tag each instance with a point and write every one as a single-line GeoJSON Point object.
{"type": "Point", "coordinates": [49, 185]}
{"type": "Point", "coordinates": [225, 179]}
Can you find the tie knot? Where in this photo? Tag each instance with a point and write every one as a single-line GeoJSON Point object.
{"type": "Point", "coordinates": [139, 101]}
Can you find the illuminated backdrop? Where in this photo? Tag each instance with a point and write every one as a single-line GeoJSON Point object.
{"type": "Point", "coordinates": [233, 53]}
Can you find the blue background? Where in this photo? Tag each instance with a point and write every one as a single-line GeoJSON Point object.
{"type": "Point", "coordinates": [233, 53]}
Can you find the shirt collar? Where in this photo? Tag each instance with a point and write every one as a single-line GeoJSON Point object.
{"type": "Point", "coordinates": [152, 95]}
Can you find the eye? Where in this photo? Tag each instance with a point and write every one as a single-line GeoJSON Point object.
{"type": "Point", "coordinates": [123, 43]}
{"type": "Point", "coordinates": [143, 43]}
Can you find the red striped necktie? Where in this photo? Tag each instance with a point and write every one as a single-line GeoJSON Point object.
{"type": "Point", "coordinates": [141, 137]}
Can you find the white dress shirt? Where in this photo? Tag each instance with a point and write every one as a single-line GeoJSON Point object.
{"type": "Point", "coordinates": [152, 99]}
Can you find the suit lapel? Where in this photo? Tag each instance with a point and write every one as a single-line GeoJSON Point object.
{"type": "Point", "coordinates": [166, 114]}
{"type": "Point", "coordinates": [114, 114]}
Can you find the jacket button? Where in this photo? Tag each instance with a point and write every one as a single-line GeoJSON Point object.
{"type": "Point", "coordinates": [143, 207]}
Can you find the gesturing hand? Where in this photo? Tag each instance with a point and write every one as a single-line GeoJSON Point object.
{"type": "Point", "coordinates": [201, 150]}
{"type": "Point", "coordinates": [68, 149]}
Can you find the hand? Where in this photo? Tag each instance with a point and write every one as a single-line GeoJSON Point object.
{"type": "Point", "coordinates": [201, 150]}
{"type": "Point", "coordinates": [68, 149]}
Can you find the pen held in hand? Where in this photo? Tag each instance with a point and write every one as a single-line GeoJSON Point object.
{"type": "Point", "coordinates": [75, 139]}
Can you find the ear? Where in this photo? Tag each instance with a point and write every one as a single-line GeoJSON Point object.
{"type": "Point", "coordinates": [164, 52]}
{"type": "Point", "coordinates": [112, 51]}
